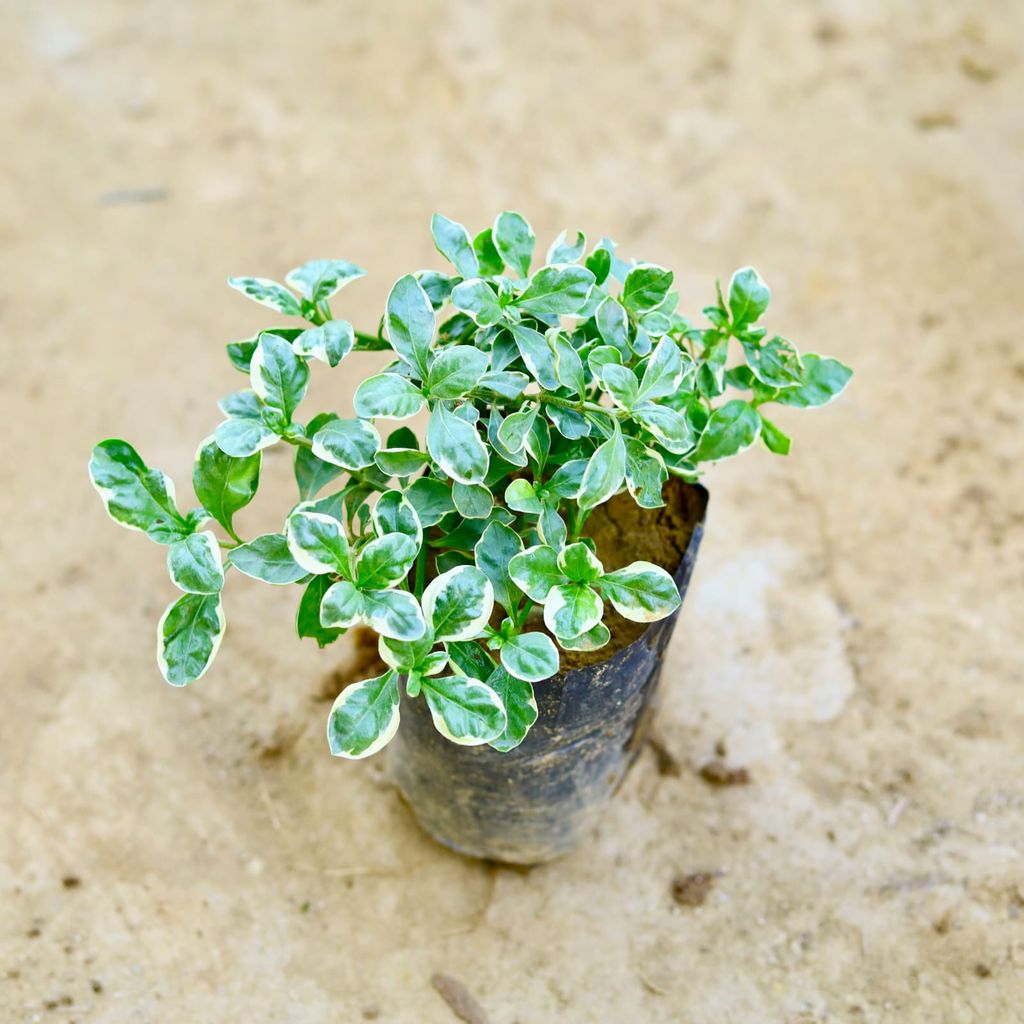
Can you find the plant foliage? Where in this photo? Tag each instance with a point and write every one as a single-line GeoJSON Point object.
{"type": "Point", "coordinates": [548, 390]}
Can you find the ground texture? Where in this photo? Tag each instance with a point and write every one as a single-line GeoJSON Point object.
{"type": "Point", "coordinates": [829, 828]}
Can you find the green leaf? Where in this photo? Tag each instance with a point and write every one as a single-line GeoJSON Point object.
{"type": "Point", "coordinates": [568, 365]}
{"type": "Point", "coordinates": [188, 635]}
{"type": "Point", "coordinates": [562, 251]}
{"type": "Point", "coordinates": [470, 658]}
{"type": "Point", "coordinates": [825, 379]}
{"type": "Point", "coordinates": [456, 447]}
{"type": "Point", "coordinates": [241, 405]}
{"type": "Point", "coordinates": [394, 513]}
{"type": "Point", "coordinates": [731, 428]}
{"type": "Point", "coordinates": [410, 322]}
{"type": "Point", "coordinates": [645, 474]}
{"type": "Point", "coordinates": [551, 526]}
{"type": "Point", "coordinates": [530, 656]}
{"type": "Point", "coordinates": [267, 293]}
{"type": "Point", "coordinates": [342, 606]}
{"type": "Point", "coordinates": [385, 561]}
{"type": "Point", "coordinates": [565, 482]}
{"type": "Point", "coordinates": [513, 430]}
{"type": "Point", "coordinates": [267, 558]}
{"type": "Point", "coordinates": [507, 383]}
{"type": "Point", "coordinates": [393, 613]}
{"type": "Point", "coordinates": [388, 394]}
{"type": "Point", "coordinates": [224, 484]}
{"type": "Point", "coordinates": [662, 373]}
{"type": "Point", "coordinates": [317, 280]}
{"type": "Point", "coordinates": [535, 572]}
{"type": "Point", "coordinates": [521, 496]}
{"type": "Point", "coordinates": [493, 552]}
{"type": "Point", "coordinates": [194, 565]}
{"type": "Point", "coordinates": [133, 494]}
{"type": "Point", "coordinates": [307, 618]}
{"type": "Point", "coordinates": [748, 297]}
{"type": "Point", "coordinates": [537, 355]}
{"type": "Point", "coordinates": [776, 363]}
{"type": "Point", "coordinates": [240, 353]}
{"type": "Point", "coordinates": [456, 371]}
{"type": "Point", "coordinates": [605, 472]}
{"type": "Point", "coordinates": [613, 326]}
{"type": "Point", "coordinates": [278, 376]}
{"type": "Point", "coordinates": [774, 439]}
{"type": "Point", "coordinates": [438, 287]}
{"type": "Point", "coordinates": [599, 263]}
{"type": "Point", "coordinates": [464, 710]}
{"type": "Point", "coordinates": [642, 592]}
{"type": "Point", "coordinates": [319, 543]}
{"type": "Point", "coordinates": [579, 563]}
{"type": "Point", "coordinates": [351, 444]}
{"type": "Point", "coordinates": [242, 438]}
{"type": "Point", "coordinates": [556, 291]}
{"type": "Point", "coordinates": [514, 239]}
{"type": "Point", "coordinates": [592, 640]}
{"type": "Point", "coordinates": [568, 422]}
{"type": "Point", "coordinates": [571, 609]}
{"type": "Point", "coordinates": [516, 695]}
{"type": "Point", "coordinates": [473, 501]}
{"type": "Point", "coordinates": [487, 254]}
{"type": "Point", "coordinates": [452, 242]}
{"type": "Point", "coordinates": [458, 603]}
{"type": "Point", "coordinates": [311, 473]}
{"type": "Point", "coordinates": [477, 298]}
{"type": "Point", "coordinates": [645, 288]}
{"type": "Point", "coordinates": [431, 499]}
{"type": "Point", "coordinates": [330, 342]}
{"type": "Point", "coordinates": [621, 384]}
{"type": "Point", "coordinates": [364, 717]}
{"type": "Point", "coordinates": [407, 655]}
{"type": "Point", "coordinates": [671, 428]}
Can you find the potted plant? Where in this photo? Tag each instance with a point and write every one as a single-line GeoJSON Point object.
{"type": "Point", "coordinates": [523, 566]}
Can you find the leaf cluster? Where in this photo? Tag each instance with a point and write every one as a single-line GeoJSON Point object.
{"type": "Point", "coordinates": [548, 389]}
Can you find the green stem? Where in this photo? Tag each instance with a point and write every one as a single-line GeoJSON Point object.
{"type": "Point", "coordinates": [421, 571]}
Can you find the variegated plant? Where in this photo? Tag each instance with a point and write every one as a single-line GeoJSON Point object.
{"type": "Point", "coordinates": [548, 391]}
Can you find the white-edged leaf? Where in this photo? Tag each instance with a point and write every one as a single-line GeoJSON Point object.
{"type": "Point", "coordinates": [410, 322]}
{"type": "Point", "coordinates": [456, 371]}
{"type": "Point", "coordinates": [592, 640]}
{"type": "Point", "coordinates": [364, 717]}
{"type": "Point", "coordinates": [571, 609]}
{"type": "Point", "coordinates": [530, 656]}
{"type": "Point", "coordinates": [731, 428]}
{"type": "Point", "coordinates": [134, 495]}
{"type": "Point", "coordinates": [393, 613]}
{"type": "Point", "coordinates": [536, 571]}
{"type": "Point", "coordinates": [194, 564]}
{"type": "Point", "coordinates": [557, 291]}
{"type": "Point", "coordinates": [242, 438]}
{"type": "Point", "coordinates": [458, 603]}
{"type": "Point", "coordinates": [188, 636]}
{"type": "Point", "coordinates": [456, 446]}
{"type": "Point", "coordinates": [267, 558]}
{"type": "Point", "coordinates": [319, 543]}
{"type": "Point", "coordinates": [521, 496]}
{"type": "Point", "coordinates": [394, 513]}
{"type": "Point", "coordinates": [662, 373]}
{"type": "Point", "coordinates": [825, 378]}
{"type": "Point", "coordinates": [517, 697]}
{"type": "Point", "coordinates": [568, 365]}
{"type": "Point", "coordinates": [385, 560]}
{"type": "Point", "coordinates": [514, 239]}
{"type": "Point", "coordinates": [613, 325]}
{"type": "Point", "coordinates": [432, 499]}
{"type": "Point", "coordinates": [267, 293]}
{"type": "Point", "coordinates": [389, 395]}
{"type": "Point", "coordinates": [351, 444]}
{"type": "Point", "coordinates": [317, 280]}
{"type": "Point", "coordinates": [562, 251]}
{"type": "Point", "coordinates": [642, 592]}
{"type": "Point", "coordinates": [472, 501]}
{"type": "Point", "coordinates": [464, 710]}
{"type": "Point", "coordinates": [342, 606]}
{"type": "Point", "coordinates": [330, 342]}
{"type": "Point", "coordinates": [645, 287]}
{"type": "Point", "coordinates": [242, 405]}
{"type": "Point", "coordinates": [278, 376]}
{"type": "Point", "coordinates": [478, 299]}
{"type": "Point", "coordinates": [497, 546]}
{"type": "Point", "coordinates": [537, 355]}
{"type": "Point", "coordinates": [454, 244]}
{"type": "Point", "coordinates": [605, 472]}
{"type": "Point", "coordinates": [579, 563]}
{"type": "Point", "coordinates": [748, 296]}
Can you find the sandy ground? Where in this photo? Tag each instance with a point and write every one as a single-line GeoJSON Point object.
{"type": "Point", "coordinates": [853, 634]}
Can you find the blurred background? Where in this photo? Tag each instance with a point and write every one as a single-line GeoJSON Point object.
{"type": "Point", "coordinates": [829, 825]}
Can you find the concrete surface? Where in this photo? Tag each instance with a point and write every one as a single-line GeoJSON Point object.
{"type": "Point", "coordinates": [853, 635]}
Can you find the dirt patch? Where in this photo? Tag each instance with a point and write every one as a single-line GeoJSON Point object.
{"type": "Point", "coordinates": [625, 533]}
{"type": "Point", "coordinates": [362, 662]}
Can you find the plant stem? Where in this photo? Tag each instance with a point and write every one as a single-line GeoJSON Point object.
{"type": "Point", "coordinates": [421, 571]}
